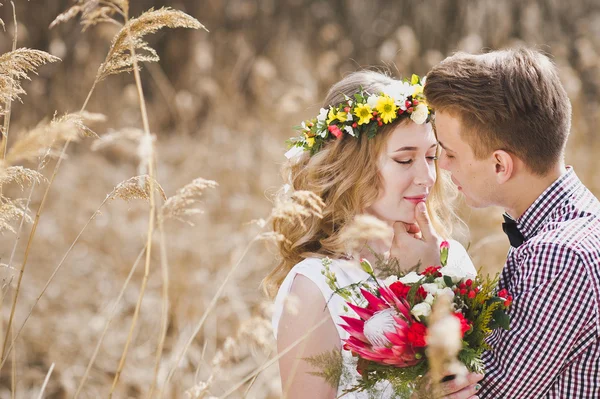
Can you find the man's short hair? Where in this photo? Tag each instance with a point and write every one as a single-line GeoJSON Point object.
{"type": "Point", "coordinates": [509, 100]}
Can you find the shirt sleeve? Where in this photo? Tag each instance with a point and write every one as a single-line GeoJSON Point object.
{"type": "Point", "coordinates": [553, 309]}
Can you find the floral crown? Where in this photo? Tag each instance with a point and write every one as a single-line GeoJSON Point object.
{"type": "Point", "coordinates": [363, 114]}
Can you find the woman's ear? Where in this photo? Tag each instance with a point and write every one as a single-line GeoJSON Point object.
{"type": "Point", "coordinates": [504, 164]}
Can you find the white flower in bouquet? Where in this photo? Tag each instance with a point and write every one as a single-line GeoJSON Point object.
{"type": "Point", "coordinates": [429, 299]}
{"type": "Point", "coordinates": [422, 309]}
{"type": "Point", "coordinates": [456, 274]}
{"type": "Point", "coordinates": [410, 278]}
{"type": "Point", "coordinates": [390, 280]}
{"type": "Point", "coordinates": [446, 291]}
{"type": "Point", "coordinates": [431, 288]}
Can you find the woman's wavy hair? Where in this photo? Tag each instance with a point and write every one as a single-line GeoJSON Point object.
{"type": "Point", "coordinates": [345, 174]}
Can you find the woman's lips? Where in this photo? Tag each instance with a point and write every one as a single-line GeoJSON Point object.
{"type": "Point", "coordinates": [416, 200]}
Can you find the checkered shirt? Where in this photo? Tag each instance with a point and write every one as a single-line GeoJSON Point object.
{"type": "Point", "coordinates": [553, 347]}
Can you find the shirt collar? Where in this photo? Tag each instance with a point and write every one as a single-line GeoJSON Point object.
{"type": "Point", "coordinates": [539, 212]}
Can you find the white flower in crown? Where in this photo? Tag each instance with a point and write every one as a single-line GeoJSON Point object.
{"type": "Point", "coordinates": [322, 115]}
{"type": "Point", "coordinates": [399, 91]}
{"type": "Point", "coordinates": [294, 152]}
{"type": "Point", "coordinates": [349, 130]}
{"type": "Point", "coordinates": [372, 101]}
{"type": "Point", "coordinates": [419, 114]}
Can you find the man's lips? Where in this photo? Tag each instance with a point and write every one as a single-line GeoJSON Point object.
{"type": "Point", "coordinates": [456, 184]}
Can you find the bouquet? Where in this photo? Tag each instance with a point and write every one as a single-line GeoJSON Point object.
{"type": "Point", "coordinates": [388, 333]}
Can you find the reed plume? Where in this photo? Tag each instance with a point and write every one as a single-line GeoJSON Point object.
{"type": "Point", "coordinates": [120, 56]}
{"type": "Point", "coordinates": [14, 67]}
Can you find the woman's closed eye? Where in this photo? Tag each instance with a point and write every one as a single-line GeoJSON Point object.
{"type": "Point", "coordinates": [410, 161]}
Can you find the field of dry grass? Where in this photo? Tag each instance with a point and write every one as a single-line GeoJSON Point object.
{"type": "Point", "coordinates": [217, 106]}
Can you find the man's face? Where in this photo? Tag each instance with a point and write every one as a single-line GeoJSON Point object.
{"type": "Point", "coordinates": [475, 178]}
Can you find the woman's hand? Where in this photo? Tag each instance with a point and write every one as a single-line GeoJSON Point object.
{"type": "Point", "coordinates": [416, 243]}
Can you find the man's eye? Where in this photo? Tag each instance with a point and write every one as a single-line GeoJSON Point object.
{"type": "Point", "coordinates": [432, 158]}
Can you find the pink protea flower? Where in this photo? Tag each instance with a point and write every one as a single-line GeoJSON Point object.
{"type": "Point", "coordinates": [382, 332]}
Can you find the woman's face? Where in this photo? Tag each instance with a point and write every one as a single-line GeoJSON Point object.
{"type": "Point", "coordinates": [407, 166]}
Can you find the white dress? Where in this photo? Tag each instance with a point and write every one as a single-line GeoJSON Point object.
{"type": "Point", "coordinates": [348, 273]}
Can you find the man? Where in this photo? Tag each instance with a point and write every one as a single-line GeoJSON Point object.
{"type": "Point", "coordinates": [502, 120]}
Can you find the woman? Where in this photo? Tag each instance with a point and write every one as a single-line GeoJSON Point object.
{"type": "Point", "coordinates": [371, 150]}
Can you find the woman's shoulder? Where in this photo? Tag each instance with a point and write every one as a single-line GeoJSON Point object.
{"type": "Point", "coordinates": [321, 272]}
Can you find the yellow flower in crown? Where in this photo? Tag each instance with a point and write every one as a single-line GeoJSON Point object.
{"type": "Point", "coordinates": [310, 141]}
{"type": "Point", "coordinates": [335, 114]}
{"type": "Point", "coordinates": [364, 113]}
{"type": "Point", "coordinates": [386, 107]}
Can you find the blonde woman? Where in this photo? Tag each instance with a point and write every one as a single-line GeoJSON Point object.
{"type": "Point", "coordinates": [378, 158]}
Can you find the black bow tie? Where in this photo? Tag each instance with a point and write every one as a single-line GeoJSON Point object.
{"type": "Point", "coordinates": [515, 237]}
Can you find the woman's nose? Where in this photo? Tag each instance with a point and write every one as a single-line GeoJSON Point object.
{"type": "Point", "coordinates": [425, 174]}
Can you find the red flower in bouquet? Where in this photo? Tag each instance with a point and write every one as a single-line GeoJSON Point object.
{"type": "Point", "coordinates": [464, 323]}
{"type": "Point", "coordinates": [432, 271]}
{"type": "Point", "coordinates": [416, 335]}
{"type": "Point", "coordinates": [401, 290]}
{"type": "Point", "coordinates": [385, 332]}
{"type": "Point", "coordinates": [506, 296]}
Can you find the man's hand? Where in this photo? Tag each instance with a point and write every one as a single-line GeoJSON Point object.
{"type": "Point", "coordinates": [414, 243]}
{"type": "Point", "coordinates": [466, 390]}
{"type": "Point", "coordinates": [455, 389]}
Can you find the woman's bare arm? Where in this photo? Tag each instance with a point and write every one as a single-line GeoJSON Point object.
{"type": "Point", "coordinates": [311, 310]}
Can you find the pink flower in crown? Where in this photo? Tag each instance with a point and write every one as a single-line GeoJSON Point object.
{"type": "Point", "coordinates": [383, 332]}
{"type": "Point", "coordinates": [335, 131]}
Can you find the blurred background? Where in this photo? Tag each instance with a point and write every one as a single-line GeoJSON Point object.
{"type": "Point", "coordinates": [222, 104]}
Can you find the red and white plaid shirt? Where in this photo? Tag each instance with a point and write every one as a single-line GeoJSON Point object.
{"type": "Point", "coordinates": [553, 347]}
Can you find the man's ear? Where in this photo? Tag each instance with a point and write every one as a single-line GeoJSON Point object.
{"type": "Point", "coordinates": [504, 164]}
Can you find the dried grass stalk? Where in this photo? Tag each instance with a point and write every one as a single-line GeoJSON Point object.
{"type": "Point", "coordinates": [20, 176]}
{"type": "Point", "coordinates": [14, 67]}
{"type": "Point", "coordinates": [301, 205]}
{"type": "Point", "coordinates": [138, 187]}
{"type": "Point", "coordinates": [443, 343]}
{"type": "Point", "coordinates": [120, 58]}
{"type": "Point", "coordinates": [115, 136]}
{"type": "Point", "coordinates": [178, 206]}
{"type": "Point", "coordinates": [94, 12]}
{"type": "Point", "coordinates": [46, 138]}
{"type": "Point", "coordinates": [10, 211]}
{"type": "Point", "coordinates": [364, 229]}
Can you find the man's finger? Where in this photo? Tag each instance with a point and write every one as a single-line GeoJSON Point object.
{"type": "Point", "coordinates": [458, 385]}
{"type": "Point", "coordinates": [424, 222]}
